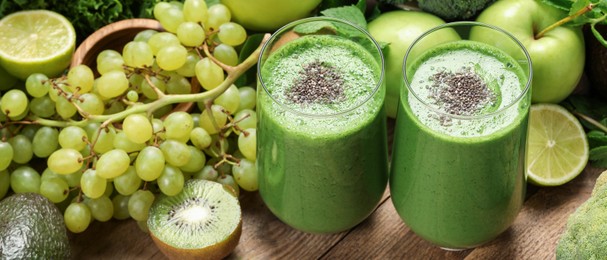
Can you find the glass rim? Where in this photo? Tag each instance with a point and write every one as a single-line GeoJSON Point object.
{"type": "Point", "coordinates": [291, 25]}
{"type": "Point", "coordinates": [525, 91]}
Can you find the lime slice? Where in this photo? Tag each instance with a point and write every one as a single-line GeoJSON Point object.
{"type": "Point", "coordinates": [36, 41]}
{"type": "Point", "coordinates": [557, 149]}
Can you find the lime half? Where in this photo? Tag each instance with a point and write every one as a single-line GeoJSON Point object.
{"type": "Point", "coordinates": [557, 148]}
{"type": "Point", "coordinates": [36, 41]}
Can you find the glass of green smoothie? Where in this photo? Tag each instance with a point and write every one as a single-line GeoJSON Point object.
{"type": "Point", "coordinates": [457, 171]}
{"type": "Point", "coordinates": [322, 139]}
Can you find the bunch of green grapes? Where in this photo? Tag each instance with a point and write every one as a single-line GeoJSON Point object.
{"type": "Point", "coordinates": [113, 142]}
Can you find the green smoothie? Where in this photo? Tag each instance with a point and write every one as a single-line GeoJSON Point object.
{"type": "Point", "coordinates": [322, 148]}
{"type": "Point", "coordinates": [457, 176]}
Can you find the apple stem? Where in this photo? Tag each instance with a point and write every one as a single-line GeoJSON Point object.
{"type": "Point", "coordinates": [565, 20]}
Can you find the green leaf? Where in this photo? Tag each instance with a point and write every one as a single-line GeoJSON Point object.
{"type": "Point", "coordinates": [564, 5]}
{"type": "Point", "coordinates": [600, 163]}
{"type": "Point", "coordinates": [598, 153]}
{"type": "Point", "coordinates": [596, 138]}
{"type": "Point", "coordinates": [348, 13]}
{"type": "Point", "coordinates": [250, 76]}
{"type": "Point", "coordinates": [313, 27]}
{"type": "Point", "coordinates": [362, 6]}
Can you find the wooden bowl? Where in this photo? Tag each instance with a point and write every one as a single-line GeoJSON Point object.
{"type": "Point", "coordinates": [114, 36]}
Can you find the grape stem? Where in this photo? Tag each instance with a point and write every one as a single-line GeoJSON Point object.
{"type": "Point", "coordinates": [233, 73]}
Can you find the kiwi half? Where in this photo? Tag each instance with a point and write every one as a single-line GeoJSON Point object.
{"type": "Point", "coordinates": [204, 221]}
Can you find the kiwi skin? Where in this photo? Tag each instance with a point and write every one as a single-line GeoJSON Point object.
{"type": "Point", "coordinates": [216, 251]}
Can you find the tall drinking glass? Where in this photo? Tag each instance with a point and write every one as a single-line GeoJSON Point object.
{"type": "Point", "coordinates": [458, 164]}
{"type": "Point", "coordinates": [322, 145]}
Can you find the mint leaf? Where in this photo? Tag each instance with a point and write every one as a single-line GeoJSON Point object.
{"type": "Point", "coordinates": [598, 153]}
{"type": "Point", "coordinates": [596, 138]}
{"type": "Point", "coordinates": [349, 13]}
{"type": "Point", "coordinates": [314, 27]}
{"type": "Point", "coordinates": [600, 163]}
{"type": "Point", "coordinates": [362, 6]}
{"type": "Point", "coordinates": [564, 5]}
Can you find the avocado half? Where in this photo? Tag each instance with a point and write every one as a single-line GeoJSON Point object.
{"type": "Point", "coordinates": [32, 227]}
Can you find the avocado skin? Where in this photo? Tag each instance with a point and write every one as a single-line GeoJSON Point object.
{"type": "Point", "coordinates": [31, 227]}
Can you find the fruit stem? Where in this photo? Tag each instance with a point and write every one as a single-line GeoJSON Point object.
{"type": "Point", "coordinates": [565, 20]}
{"type": "Point", "coordinates": [591, 121]}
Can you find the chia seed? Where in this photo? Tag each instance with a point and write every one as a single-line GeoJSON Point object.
{"type": "Point", "coordinates": [319, 83]}
{"type": "Point", "coordinates": [461, 93]}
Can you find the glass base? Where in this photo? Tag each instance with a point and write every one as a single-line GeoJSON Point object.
{"type": "Point", "coordinates": [453, 249]}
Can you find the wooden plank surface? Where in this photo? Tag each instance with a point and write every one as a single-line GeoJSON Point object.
{"type": "Point", "coordinates": [383, 235]}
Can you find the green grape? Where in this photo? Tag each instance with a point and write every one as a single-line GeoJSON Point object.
{"type": "Point", "coordinates": [22, 149]}
{"type": "Point", "coordinates": [91, 104]}
{"type": "Point", "coordinates": [114, 107]}
{"type": "Point", "coordinates": [112, 84]}
{"type": "Point", "coordinates": [170, 19]}
{"type": "Point", "coordinates": [248, 98]}
{"type": "Point", "coordinates": [128, 182]}
{"type": "Point", "coordinates": [162, 39]}
{"type": "Point", "coordinates": [247, 143]}
{"type": "Point", "coordinates": [20, 116]}
{"type": "Point", "coordinates": [137, 128]}
{"type": "Point", "coordinates": [65, 108]}
{"type": "Point", "coordinates": [245, 175]}
{"type": "Point", "coordinates": [196, 162]}
{"type": "Point", "coordinates": [132, 96]}
{"type": "Point", "coordinates": [48, 174]}
{"type": "Point", "coordinates": [45, 141]}
{"type": "Point", "coordinates": [139, 204]}
{"type": "Point", "coordinates": [73, 137]}
{"type": "Point", "coordinates": [53, 92]}
{"type": "Point", "coordinates": [36, 85]}
{"type": "Point", "coordinates": [230, 182]}
{"type": "Point", "coordinates": [217, 15]}
{"type": "Point", "coordinates": [214, 120]}
{"type": "Point", "coordinates": [226, 54]}
{"type": "Point", "coordinates": [190, 34]}
{"type": "Point", "coordinates": [65, 161]}
{"type": "Point", "coordinates": [14, 102]}
{"type": "Point", "coordinates": [171, 57]}
{"type": "Point", "coordinates": [200, 138]}
{"type": "Point", "coordinates": [55, 189]}
{"type": "Point", "coordinates": [246, 118]}
{"type": "Point", "coordinates": [209, 74]}
{"type": "Point", "coordinates": [195, 11]}
{"type": "Point", "coordinates": [121, 141]}
{"type": "Point", "coordinates": [138, 54]}
{"type": "Point", "coordinates": [229, 99]}
{"type": "Point", "coordinates": [160, 7]}
{"type": "Point", "coordinates": [175, 152]}
{"type": "Point", "coordinates": [29, 130]}
{"type": "Point", "coordinates": [121, 206]}
{"type": "Point", "coordinates": [102, 208]}
{"type": "Point", "coordinates": [148, 91]}
{"type": "Point", "coordinates": [5, 183]}
{"type": "Point", "coordinates": [25, 179]}
{"type": "Point", "coordinates": [189, 67]}
{"type": "Point", "coordinates": [207, 173]}
{"type": "Point", "coordinates": [92, 185]}
{"type": "Point", "coordinates": [171, 180]}
{"type": "Point", "coordinates": [157, 125]}
{"type": "Point", "coordinates": [112, 164]}
{"type": "Point", "coordinates": [144, 36]}
{"type": "Point", "coordinates": [80, 77]}
{"type": "Point", "coordinates": [149, 163]}
{"type": "Point", "coordinates": [178, 84]}
{"type": "Point", "coordinates": [43, 107]}
{"type": "Point", "coordinates": [109, 60]}
{"type": "Point", "coordinates": [6, 155]}
{"type": "Point", "coordinates": [178, 126]}
{"type": "Point", "coordinates": [103, 139]}
{"type": "Point", "coordinates": [77, 217]}
{"type": "Point", "coordinates": [232, 34]}
{"type": "Point", "coordinates": [218, 146]}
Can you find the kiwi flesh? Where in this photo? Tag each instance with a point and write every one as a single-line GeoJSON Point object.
{"type": "Point", "coordinates": [204, 221]}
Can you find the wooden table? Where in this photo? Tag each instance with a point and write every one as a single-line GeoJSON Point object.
{"type": "Point", "coordinates": [383, 235]}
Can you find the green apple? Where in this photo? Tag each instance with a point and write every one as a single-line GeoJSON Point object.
{"type": "Point", "coordinates": [557, 57]}
{"type": "Point", "coordinates": [399, 29]}
{"type": "Point", "coordinates": [268, 15]}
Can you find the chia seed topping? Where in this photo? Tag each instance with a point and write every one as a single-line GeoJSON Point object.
{"type": "Point", "coordinates": [319, 83]}
{"type": "Point", "coordinates": [460, 93]}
